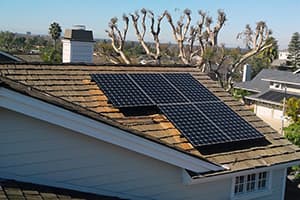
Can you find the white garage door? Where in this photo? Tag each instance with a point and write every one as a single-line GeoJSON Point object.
{"type": "Point", "coordinates": [263, 111]}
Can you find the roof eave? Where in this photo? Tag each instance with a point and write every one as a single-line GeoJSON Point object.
{"type": "Point", "coordinates": [281, 81]}
{"type": "Point", "coordinates": [14, 98]}
{"type": "Point", "coordinates": [263, 101]}
{"type": "Point", "coordinates": [189, 180]}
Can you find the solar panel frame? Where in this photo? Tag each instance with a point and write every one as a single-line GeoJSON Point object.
{"type": "Point", "coordinates": [121, 90]}
{"type": "Point", "coordinates": [191, 88]}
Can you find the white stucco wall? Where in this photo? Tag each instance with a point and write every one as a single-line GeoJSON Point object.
{"type": "Point", "coordinates": [271, 116]}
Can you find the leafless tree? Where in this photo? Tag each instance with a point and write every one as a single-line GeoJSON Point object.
{"type": "Point", "coordinates": [256, 41]}
{"type": "Point", "coordinates": [118, 38]}
{"type": "Point", "coordinates": [201, 36]}
{"type": "Point", "coordinates": [155, 31]}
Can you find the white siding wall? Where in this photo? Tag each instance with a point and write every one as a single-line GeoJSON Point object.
{"type": "Point", "coordinates": [66, 51]}
{"type": "Point", "coordinates": [278, 180]}
{"type": "Point", "coordinates": [36, 151]}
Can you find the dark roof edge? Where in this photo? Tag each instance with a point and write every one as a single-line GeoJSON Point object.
{"type": "Point", "coordinates": [99, 64]}
{"type": "Point", "coordinates": [263, 101]}
{"type": "Point", "coordinates": [13, 57]}
{"type": "Point", "coordinates": [48, 98]}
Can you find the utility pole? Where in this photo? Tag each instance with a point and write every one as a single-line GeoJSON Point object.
{"type": "Point", "coordinates": [283, 110]}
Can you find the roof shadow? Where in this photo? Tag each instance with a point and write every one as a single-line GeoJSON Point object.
{"type": "Point", "coordinates": [233, 146]}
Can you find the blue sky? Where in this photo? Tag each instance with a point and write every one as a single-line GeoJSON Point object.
{"type": "Point", "coordinates": [282, 17]}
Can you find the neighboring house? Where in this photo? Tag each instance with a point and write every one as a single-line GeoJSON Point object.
{"type": "Point", "coordinates": [270, 87]}
{"type": "Point", "coordinates": [281, 61]}
{"type": "Point", "coordinates": [8, 58]}
{"type": "Point", "coordinates": [58, 129]}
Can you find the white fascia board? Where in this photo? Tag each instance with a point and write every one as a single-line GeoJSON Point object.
{"type": "Point", "coordinates": [279, 81]}
{"type": "Point", "coordinates": [56, 115]}
{"type": "Point", "coordinates": [188, 180]}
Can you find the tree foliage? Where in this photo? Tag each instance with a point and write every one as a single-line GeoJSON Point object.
{"type": "Point", "coordinates": [294, 51]}
{"type": "Point", "coordinates": [7, 40]}
{"type": "Point", "coordinates": [51, 55]}
{"type": "Point", "coordinates": [264, 58]}
{"type": "Point", "coordinates": [55, 32]}
{"type": "Point", "coordinates": [292, 133]}
{"type": "Point", "coordinates": [20, 43]}
{"type": "Point", "coordinates": [293, 109]}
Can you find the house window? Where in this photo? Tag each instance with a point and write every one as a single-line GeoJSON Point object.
{"type": "Point", "coordinates": [262, 180]}
{"type": "Point", "coordinates": [239, 185]}
{"type": "Point", "coordinates": [250, 183]}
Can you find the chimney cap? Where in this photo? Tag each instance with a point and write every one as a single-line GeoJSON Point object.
{"type": "Point", "coordinates": [79, 35]}
{"type": "Point", "coordinates": [78, 27]}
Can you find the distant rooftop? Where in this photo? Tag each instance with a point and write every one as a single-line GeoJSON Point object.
{"type": "Point", "coordinates": [260, 82]}
{"type": "Point", "coordinates": [7, 58]}
{"type": "Point", "coordinates": [286, 77]}
{"type": "Point", "coordinates": [272, 96]}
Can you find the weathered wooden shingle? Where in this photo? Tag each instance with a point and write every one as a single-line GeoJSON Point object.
{"type": "Point", "coordinates": [14, 190]}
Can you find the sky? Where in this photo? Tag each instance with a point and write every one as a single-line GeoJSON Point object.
{"type": "Point", "coordinates": [35, 16]}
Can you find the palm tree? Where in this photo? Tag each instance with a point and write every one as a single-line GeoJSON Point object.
{"type": "Point", "coordinates": [55, 32]}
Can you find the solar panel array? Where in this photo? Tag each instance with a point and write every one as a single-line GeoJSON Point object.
{"type": "Point", "coordinates": [195, 111]}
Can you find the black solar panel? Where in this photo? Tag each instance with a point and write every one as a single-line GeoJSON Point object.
{"type": "Point", "coordinates": [196, 112]}
{"type": "Point", "coordinates": [229, 121]}
{"type": "Point", "coordinates": [158, 88]}
{"type": "Point", "coordinates": [194, 125]}
{"type": "Point", "coordinates": [121, 90]}
{"type": "Point", "coordinates": [190, 87]}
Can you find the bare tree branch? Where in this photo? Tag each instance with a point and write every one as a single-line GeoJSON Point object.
{"type": "Point", "coordinates": [180, 32]}
{"type": "Point", "coordinates": [117, 38]}
{"type": "Point", "coordinates": [257, 42]}
{"type": "Point", "coordinates": [155, 32]}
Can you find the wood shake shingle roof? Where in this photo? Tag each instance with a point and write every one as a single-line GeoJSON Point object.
{"type": "Point", "coordinates": [15, 190]}
{"type": "Point", "coordinates": [70, 86]}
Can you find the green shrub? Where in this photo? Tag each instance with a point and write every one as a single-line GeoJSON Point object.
{"type": "Point", "coordinates": [292, 133]}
